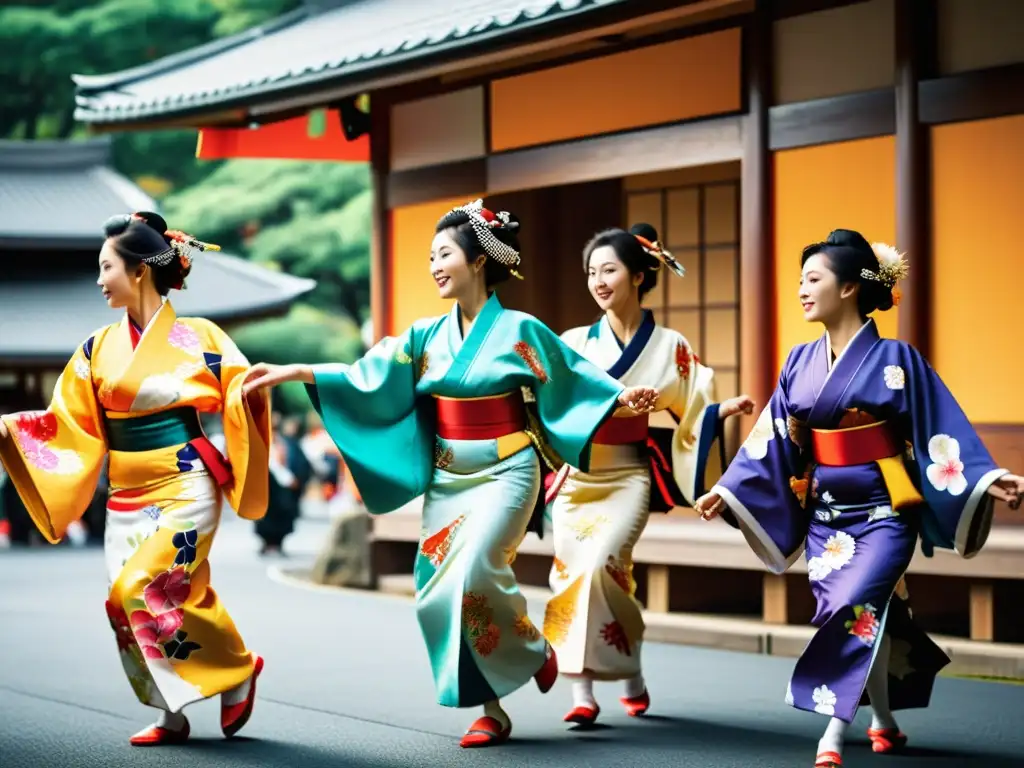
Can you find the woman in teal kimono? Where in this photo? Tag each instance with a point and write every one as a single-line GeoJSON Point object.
{"type": "Point", "coordinates": [452, 409]}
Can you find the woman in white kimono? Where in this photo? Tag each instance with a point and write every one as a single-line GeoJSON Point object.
{"type": "Point", "coordinates": [593, 620]}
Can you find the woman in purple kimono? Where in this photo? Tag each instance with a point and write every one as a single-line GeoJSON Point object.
{"type": "Point", "coordinates": [860, 451]}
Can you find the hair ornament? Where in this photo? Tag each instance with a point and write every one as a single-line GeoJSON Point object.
{"type": "Point", "coordinates": [484, 222]}
{"type": "Point", "coordinates": [892, 267]}
{"type": "Point", "coordinates": [656, 250]}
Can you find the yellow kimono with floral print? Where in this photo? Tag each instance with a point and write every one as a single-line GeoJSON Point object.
{"type": "Point", "coordinates": [139, 409]}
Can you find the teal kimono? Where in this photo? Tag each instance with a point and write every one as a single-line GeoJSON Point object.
{"type": "Point", "coordinates": [479, 494]}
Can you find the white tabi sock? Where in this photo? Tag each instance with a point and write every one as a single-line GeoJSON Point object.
{"type": "Point", "coordinates": [493, 709]}
{"type": "Point", "coordinates": [238, 694]}
{"type": "Point", "coordinates": [583, 693]}
{"type": "Point", "coordinates": [878, 687]}
{"type": "Point", "coordinates": [171, 721]}
{"type": "Point", "coordinates": [635, 686]}
{"type": "Point", "coordinates": [834, 737]}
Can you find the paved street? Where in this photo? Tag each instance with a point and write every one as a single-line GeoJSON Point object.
{"type": "Point", "coordinates": [347, 684]}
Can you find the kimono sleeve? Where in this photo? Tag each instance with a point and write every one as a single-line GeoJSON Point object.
{"type": "Point", "coordinates": [54, 457]}
{"type": "Point", "coordinates": [370, 410]}
{"type": "Point", "coordinates": [756, 485]}
{"type": "Point", "coordinates": [692, 401]}
{"type": "Point", "coordinates": [247, 431]}
{"type": "Point", "coordinates": [951, 466]}
{"type": "Point", "coordinates": [573, 396]}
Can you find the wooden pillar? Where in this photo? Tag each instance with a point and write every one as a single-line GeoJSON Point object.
{"type": "Point", "coordinates": [775, 600]}
{"type": "Point", "coordinates": [657, 588]}
{"type": "Point", "coordinates": [380, 248]}
{"type": "Point", "coordinates": [982, 611]}
{"type": "Point", "coordinates": [915, 56]}
{"type": "Point", "coordinates": [758, 369]}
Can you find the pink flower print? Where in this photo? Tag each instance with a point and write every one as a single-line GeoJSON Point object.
{"type": "Point", "coordinates": [169, 623]}
{"type": "Point", "coordinates": [184, 338]}
{"type": "Point", "coordinates": [167, 591]}
{"type": "Point", "coordinates": [147, 634]}
{"type": "Point", "coordinates": [122, 629]}
{"type": "Point", "coordinates": [37, 454]}
{"type": "Point", "coordinates": [40, 426]}
{"type": "Point", "coordinates": [946, 472]}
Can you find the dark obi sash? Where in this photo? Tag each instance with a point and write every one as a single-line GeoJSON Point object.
{"type": "Point", "coordinates": [166, 429]}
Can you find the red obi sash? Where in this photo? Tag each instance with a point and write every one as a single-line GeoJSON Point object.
{"type": "Point", "coordinates": [623, 431]}
{"type": "Point", "coordinates": [485, 418]}
{"type": "Point", "coordinates": [857, 445]}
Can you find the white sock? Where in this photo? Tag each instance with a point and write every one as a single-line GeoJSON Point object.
{"type": "Point", "coordinates": [834, 736]}
{"type": "Point", "coordinates": [493, 709]}
{"type": "Point", "coordinates": [583, 693]}
{"type": "Point", "coordinates": [878, 687]}
{"type": "Point", "coordinates": [238, 694]}
{"type": "Point", "coordinates": [172, 721]}
{"type": "Point", "coordinates": [635, 686]}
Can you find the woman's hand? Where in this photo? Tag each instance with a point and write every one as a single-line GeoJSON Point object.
{"type": "Point", "coordinates": [709, 505]}
{"type": "Point", "coordinates": [264, 376]}
{"type": "Point", "coordinates": [1008, 488]}
{"type": "Point", "coordinates": [639, 399]}
{"type": "Point", "coordinates": [735, 406]}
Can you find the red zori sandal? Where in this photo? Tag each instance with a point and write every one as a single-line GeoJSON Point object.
{"type": "Point", "coordinates": [885, 740]}
{"type": "Point", "coordinates": [157, 736]}
{"type": "Point", "coordinates": [485, 732]}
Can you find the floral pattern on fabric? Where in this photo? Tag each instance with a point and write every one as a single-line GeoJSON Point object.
{"type": "Point", "coordinates": [32, 431]}
{"type": "Point", "coordinates": [525, 628]}
{"type": "Point", "coordinates": [561, 569]}
{"type": "Point", "coordinates": [864, 625]}
{"type": "Point", "coordinates": [824, 700]}
{"type": "Point", "coordinates": [560, 613]}
{"type": "Point", "coordinates": [894, 377]}
{"type": "Point", "coordinates": [946, 472]}
{"type": "Point", "coordinates": [587, 527]}
{"type": "Point", "coordinates": [532, 359]}
{"type": "Point", "coordinates": [443, 457]}
{"type": "Point", "coordinates": [436, 548]}
{"type": "Point", "coordinates": [683, 360]}
{"type": "Point", "coordinates": [620, 573]}
{"type": "Point", "coordinates": [421, 369]}
{"type": "Point", "coordinates": [182, 337]}
{"type": "Point", "coordinates": [614, 635]}
{"type": "Point", "coordinates": [478, 619]}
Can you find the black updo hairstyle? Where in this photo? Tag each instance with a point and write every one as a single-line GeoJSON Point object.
{"type": "Point", "coordinates": [848, 253]}
{"type": "Point", "coordinates": [630, 252]}
{"type": "Point", "coordinates": [462, 233]}
{"type": "Point", "coordinates": [141, 236]}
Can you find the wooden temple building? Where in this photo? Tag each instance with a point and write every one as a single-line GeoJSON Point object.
{"type": "Point", "coordinates": [743, 129]}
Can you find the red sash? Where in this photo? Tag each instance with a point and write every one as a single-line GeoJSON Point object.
{"type": "Point", "coordinates": [857, 445]}
{"type": "Point", "coordinates": [486, 418]}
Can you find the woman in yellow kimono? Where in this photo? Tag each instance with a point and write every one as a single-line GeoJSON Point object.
{"type": "Point", "coordinates": [593, 620]}
{"type": "Point", "coordinates": [441, 411]}
{"type": "Point", "coordinates": [133, 392]}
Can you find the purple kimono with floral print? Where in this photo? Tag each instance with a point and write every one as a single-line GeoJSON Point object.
{"type": "Point", "coordinates": [858, 545]}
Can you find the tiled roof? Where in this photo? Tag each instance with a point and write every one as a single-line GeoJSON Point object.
{"type": "Point", "coordinates": [354, 41]}
{"type": "Point", "coordinates": [56, 194]}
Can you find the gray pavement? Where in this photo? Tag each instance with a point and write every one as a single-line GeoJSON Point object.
{"type": "Point", "coordinates": [347, 684]}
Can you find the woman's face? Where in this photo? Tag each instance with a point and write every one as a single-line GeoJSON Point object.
{"type": "Point", "coordinates": [449, 268]}
{"type": "Point", "coordinates": [609, 280]}
{"type": "Point", "coordinates": [120, 285]}
{"type": "Point", "coordinates": [821, 295]}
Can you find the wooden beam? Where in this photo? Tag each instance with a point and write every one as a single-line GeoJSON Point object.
{"type": "Point", "coordinates": [836, 118]}
{"type": "Point", "coordinates": [982, 611]}
{"type": "Point", "coordinates": [757, 273]}
{"type": "Point", "coordinates": [437, 182]}
{"type": "Point", "coordinates": [380, 248]}
{"type": "Point", "coordinates": [680, 145]}
{"type": "Point", "coordinates": [977, 95]}
{"type": "Point", "coordinates": [914, 21]}
{"type": "Point", "coordinates": [783, 9]}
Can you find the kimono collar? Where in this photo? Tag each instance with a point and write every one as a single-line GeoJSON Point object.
{"type": "Point", "coordinates": [630, 352]}
{"type": "Point", "coordinates": [867, 335]}
{"type": "Point", "coordinates": [488, 314]}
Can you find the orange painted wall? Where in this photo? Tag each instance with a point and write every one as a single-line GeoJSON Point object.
{"type": "Point", "coordinates": [412, 292]}
{"type": "Point", "coordinates": [664, 83]}
{"type": "Point", "coordinates": [977, 191]}
{"type": "Point", "coordinates": [849, 185]}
